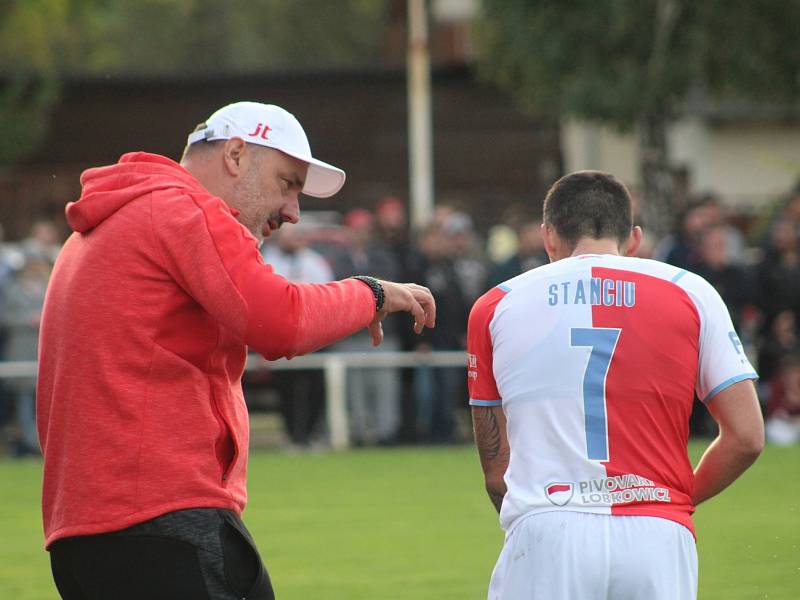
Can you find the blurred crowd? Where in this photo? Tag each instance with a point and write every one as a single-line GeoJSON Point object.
{"type": "Point", "coordinates": [24, 272]}
{"type": "Point", "coordinates": [755, 266]}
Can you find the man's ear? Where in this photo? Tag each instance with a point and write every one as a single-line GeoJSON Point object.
{"type": "Point", "coordinates": [551, 241]}
{"type": "Point", "coordinates": [633, 243]}
{"type": "Point", "coordinates": [232, 154]}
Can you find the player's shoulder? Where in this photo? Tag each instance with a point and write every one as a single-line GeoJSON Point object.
{"type": "Point", "coordinates": [641, 266]}
{"type": "Point", "coordinates": [692, 283]}
{"type": "Point", "coordinates": [488, 301]}
{"type": "Point", "coordinates": [679, 276]}
{"type": "Point", "coordinates": [700, 292]}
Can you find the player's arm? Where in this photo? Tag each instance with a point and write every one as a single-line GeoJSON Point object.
{"type": "Point", "coordinates": [741, 439]}
{"type": "Point", "coordinates": [488, 418]}
{"type": "Point", "coordinates": [489, 427]}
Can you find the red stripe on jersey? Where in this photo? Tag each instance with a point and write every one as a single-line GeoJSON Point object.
{"type": "Point", "coordinates": [480, 376]}
{"type": "Point", "coordinates": [649, 391]}
{"type": "Point", "coordinates": [559, 487]}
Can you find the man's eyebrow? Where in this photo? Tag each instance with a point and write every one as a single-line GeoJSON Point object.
{"type": "Point", "coordinates": [293, 177]}
{"type": "Point", "coordinates": [297, 180]}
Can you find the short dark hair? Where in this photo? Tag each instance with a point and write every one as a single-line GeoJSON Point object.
{"type": "Point", "coordinates": [202, 144]}
{"type": "Point", "coordinates": [589, 204]}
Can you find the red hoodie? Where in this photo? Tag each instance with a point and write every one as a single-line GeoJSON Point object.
{"type": "Point", "coordinates": [150, 309]}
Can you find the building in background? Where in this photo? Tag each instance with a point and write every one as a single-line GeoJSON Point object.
{"type": "Point", "coordinates": [746, 154]}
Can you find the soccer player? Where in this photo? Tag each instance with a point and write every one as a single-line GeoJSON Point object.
{"type": "Point", "coordinates": [151, 307]}
{"type": "Point", "coordinates": [582, 375]}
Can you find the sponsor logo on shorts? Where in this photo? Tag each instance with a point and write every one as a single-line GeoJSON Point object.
{"type": "Point", "coordinates": [559, 493]}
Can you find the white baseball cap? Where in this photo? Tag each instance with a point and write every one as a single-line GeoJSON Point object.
{"type": "Point", "coordinates": [271, 126]}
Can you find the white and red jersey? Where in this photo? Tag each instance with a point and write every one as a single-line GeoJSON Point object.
{"type": "Point", "coordinates": [595, 360]}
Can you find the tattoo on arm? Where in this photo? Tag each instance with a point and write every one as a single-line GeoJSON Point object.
{"type": "Point", "coordinates": [493, 450]}
{"type": "Point", "coordinates": [487, 434]}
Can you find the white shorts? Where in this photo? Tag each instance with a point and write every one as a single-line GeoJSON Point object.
{"type": "Point", "coordinates": [564, 555]}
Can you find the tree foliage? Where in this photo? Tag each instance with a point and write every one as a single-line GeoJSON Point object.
{"type": "Point", "coordinates": [173, 37]}
{"type": "Point", "coordinates": [43, 41]}
{"type": "Point", "coordinates": [594, 58]}
{"type": "Point", "coordinates": [633, 63]}
{"type": "Point", "coordinates": [30, 35]}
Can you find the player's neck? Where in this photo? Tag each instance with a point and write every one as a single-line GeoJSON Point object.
{"type": "Point", "coordinates": [593, 246]}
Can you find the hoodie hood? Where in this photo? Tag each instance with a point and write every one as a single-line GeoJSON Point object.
{"type": "Point", "coordinates": [107, 189]}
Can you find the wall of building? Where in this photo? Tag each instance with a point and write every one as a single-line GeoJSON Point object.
{"type": "Point", "coordinates": [747, 163]}
{"type": "Point", "coordinates": [487, 154]}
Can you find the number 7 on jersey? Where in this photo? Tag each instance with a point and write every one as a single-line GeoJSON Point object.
{"type": "Point", "coordinates": [603, 342]}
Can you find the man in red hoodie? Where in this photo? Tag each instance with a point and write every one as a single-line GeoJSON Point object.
{"type": "Point", "coordinates": [152, 305]}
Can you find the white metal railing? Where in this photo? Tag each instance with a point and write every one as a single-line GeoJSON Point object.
{"type": "Point", "coordinates": [23, 369]}
{"type": "Point", "coordinates": [333, 364]}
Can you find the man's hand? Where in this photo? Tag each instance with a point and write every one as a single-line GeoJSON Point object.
{"type": "Point", "coordinates": [405, 297]}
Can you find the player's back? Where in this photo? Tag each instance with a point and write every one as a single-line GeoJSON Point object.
{"type": "Point", "coordinates": [596, 359]}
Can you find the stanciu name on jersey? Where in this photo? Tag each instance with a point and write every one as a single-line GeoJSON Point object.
{"type": "Point", "coordinates": [596, 291]}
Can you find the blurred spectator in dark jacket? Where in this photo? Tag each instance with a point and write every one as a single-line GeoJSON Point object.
{"type": "Point", "coordinates": [435, 268]}
{"type": "Point", "coordinates": [365, 252]}
{"type": "Point", "coordinates": [438, 389]}
{"type": "Point", "coordinates": [777, 296]}
{"type": "Point", "coordinates": [302, 391]}
{"type": "Point", "coordinates": [529, 255]}
{"type": "Point", "coordinates": [373, 394]}
{"type": "Point", "coordinates": [682, 248]}
{"type": "Point", "coordinates": [778, 273]}
{"type": "Point", "coordinates": [390, 235]}
{"type": "Point", "coordinates": [779, 341]}
{"type": "Point", "coordinates": [467, 253]}
{"type": "Point", "coordinates": [24, 298]}
{"type": "Point", "coordinates": [391, 227]}
{"type": "Point", "coordinates": [715, 265]}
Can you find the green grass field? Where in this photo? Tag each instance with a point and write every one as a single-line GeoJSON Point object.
{"type": "Point", "coordinates": [414, 523]}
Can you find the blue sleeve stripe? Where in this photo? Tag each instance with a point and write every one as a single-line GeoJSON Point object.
{"type": "Point", "coordinates": [728, 383]}
{"type": "Point", "coordinates": [504, 287]}
{"type": "Point", "coordinates": [678, 275]}
{"type": "Point", "coordinates": [485, 402]}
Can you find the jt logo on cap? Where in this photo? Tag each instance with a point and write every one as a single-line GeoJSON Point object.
{"type": "Point", "coordinates": [258, 131]}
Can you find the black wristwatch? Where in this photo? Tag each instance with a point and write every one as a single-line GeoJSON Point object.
{"type": "Point", "coordinates": [376, 287]}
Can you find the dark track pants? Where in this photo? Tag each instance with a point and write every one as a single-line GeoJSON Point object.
{"type": "Point", "coordinates": [197, 554]}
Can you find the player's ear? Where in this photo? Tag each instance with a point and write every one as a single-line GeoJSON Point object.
{"type": "Point", "coordinates": [634, 241]}
{"type": "Point", "coordinates": [232, 155]}
{"type": "Point", "coordinates": [551, 241]}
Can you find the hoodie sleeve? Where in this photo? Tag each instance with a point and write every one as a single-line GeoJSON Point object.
{"type": "Point", "coordinates": [217, 262]}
